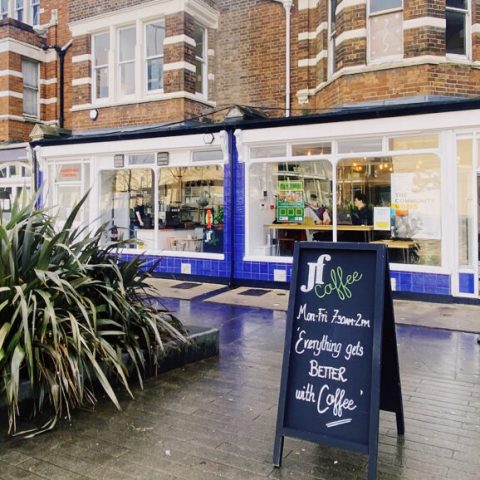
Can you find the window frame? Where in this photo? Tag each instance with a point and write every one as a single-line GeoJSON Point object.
{"type": "Point", "coordinates": [467, 40]}
{"type": "Point", "coordinates": [34, 6]}
{"type": "Point", "coordinates": [21, 9]}
{"type": "Point", "coordinates": [203, 62]}
{"type": "Point", "coordinates": [120, 63]}
{"type": "Point", "coordinates": [4, 13]}
{"type": "Point", "coordinates": [94, 68]}
{"type": "Point", "coordinates": [145, 58]}
{"type": "Point", "coordinates": [34, 88]}
{"type": "Point", "coordinates": [379, 13]}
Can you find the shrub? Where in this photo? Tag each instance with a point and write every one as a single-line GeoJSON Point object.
{"type": "Point", "coordinates": [72, 316]}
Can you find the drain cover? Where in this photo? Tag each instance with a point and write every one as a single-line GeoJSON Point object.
{"type": "Point", "coordinates": [185, 285]}
{"type": "Point", "coordinates": [254, 292]}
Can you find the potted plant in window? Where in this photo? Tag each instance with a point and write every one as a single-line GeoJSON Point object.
{"type": "Point", "coordinates": [218, 218]}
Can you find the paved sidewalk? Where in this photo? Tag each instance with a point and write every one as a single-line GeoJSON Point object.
{"type": "Point", "coordinates": [216, 419]}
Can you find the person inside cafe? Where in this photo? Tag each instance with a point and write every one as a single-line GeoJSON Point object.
{"type": "Point", "coordinates": [361, 214]}
{"type": "Point", "coordinates": [139, 211]}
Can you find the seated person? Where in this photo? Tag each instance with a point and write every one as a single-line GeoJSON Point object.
{"type": "Point", "coordinates": [361, 214]}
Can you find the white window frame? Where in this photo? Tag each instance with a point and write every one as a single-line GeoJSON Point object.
{"type": "Point", "coordinates": [17, 9]}
{"type": "Point", "coordinates": [371, 15]}
{"type": "Point", "coordinates": [4, 13]}
{"type": "Point", "coordinates": [468, 31]}
{"type": "Point", "coordinates": [34, 5]}
{"type": "Point", "coordinates": [331, 67]}
{"type": "Point", "coordinates": [119, 64]}
{"type": "Point", "coordinates": [32, 88]}
{"type": "Point", "coordinates": [146, 58]}
{"type": "Point", "coordinates": [94, 68]}
{"type": "Point", "coordinates": [203, 62]}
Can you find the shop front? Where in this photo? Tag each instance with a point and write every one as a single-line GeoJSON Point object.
{"type": "Point", "coordinates": [162, 196]}
{"type": "Point", "coordinates": [406, 181]}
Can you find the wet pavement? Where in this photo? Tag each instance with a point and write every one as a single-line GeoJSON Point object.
{"type": "Point", "coordinates": [216, 418]}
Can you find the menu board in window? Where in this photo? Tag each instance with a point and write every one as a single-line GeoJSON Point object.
{"type": "Point", "coordinates": [290, 201]}
{"type": "Point", "coordinates": [340, 362]}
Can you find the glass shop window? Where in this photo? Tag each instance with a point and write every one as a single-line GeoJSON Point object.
{"type": "Point", "coordinates": [126, 206]}
{"type": "Point", "coordinates": [288, 202]}
{"type": "Point", "coordinates": [392, 200]}
{"type": "Point", "coordinates": [191, 208]}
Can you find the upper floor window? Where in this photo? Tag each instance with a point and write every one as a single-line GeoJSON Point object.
{"type": "Point", "coordinates": [199, 36]}
{"type": "Point", "coordinates": [126, 61]}
{"type": "Point", "coordinates": [30, 88]}
{"type": "Point", "coordinates": [385, 39]}
{"type": "Point", "coordinates": [35, 12]}
{"type": "Point", "coordinates": [456, 14]}
{"type": "Point", "coordinates": [332, 34]}
{"type": "Point", "coordinates": [19, 10]}
{"type": "Point", "coordinates": [154, 36]}
{"type": "Point", "coordinates": [3, 9]}
{"type": "Point", "coordinates": [100, 48]}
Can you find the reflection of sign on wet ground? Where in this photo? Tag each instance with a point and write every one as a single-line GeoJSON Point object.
{"type": "Point", "coordinates": [339, 324]}
{"type": "Point", "coordinates": [290, 201]}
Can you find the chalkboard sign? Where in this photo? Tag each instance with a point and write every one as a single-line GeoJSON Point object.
{"type": "Point", "coordinates": [339, 325]}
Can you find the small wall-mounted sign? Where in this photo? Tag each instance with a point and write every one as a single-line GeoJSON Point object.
{"type": "Point", "coordinates": [119, 160]}
{"type": "Point", "coordinates": [163, 158]}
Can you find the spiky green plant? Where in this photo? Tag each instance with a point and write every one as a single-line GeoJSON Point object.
{"type": "Point", "coordinates": [72, 316]}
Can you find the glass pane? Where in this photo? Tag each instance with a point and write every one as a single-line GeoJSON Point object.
{"type": "Point", "coordinates": [283, 195]}
{"type": "Point", "coordinates": [19, 10]}
{"type": "Point", "coordinates": [126, 205]}
{"type": "Point", "coordinates": [395, 201]}
{"type": "Point", "coordinates": [360, 145]}
{"type": "Point", "coordinates": [155, 34]}
{"type": "Point", "coordinates": [191, 209]}
{"type": "Point", "coordinates": [3, 172]}
{"type": "Point", "coordinates": [30, 102]}
{"type": "Point", "coordinates": [312, 149]}
{"type": "Point", "coordinates": [155, 74]}
{"type": "Point", "coordinates": [413, 143]}
{"type": "Point", "coordinates": [101, 82]}
{"type": "Point", "coordinates": [199, 83]}
{"type": "Point", "coordinates": [67, 198]}
{"type": "Point", "coordinates": [380, 5]}
{"type": "Point", "coordinates": [127, 42]}
{"type": "Point", "coordinates": [101, 46]}
{"type": "Point", "coordinates": [465, 203]}
{"type": "Point", "coordinates": [3, 8]}
{"type": "Point", "coordinates": [141, 158]}
{"type": "Point", "coordinates": [30, 73]}
{"type": "Point", "coordinates": [207, 155]}
{"type": "Point", "coordinates": [127, 79]}
{"type": "Point", "coordinates": [457, 4]}
{"type": "Point", "coordinates": [455, 32]}
{"type": "Point", "coordinates": [199, 37]}
{"type": "Point", "coordinates": [386, 35]}
{"type": "Point", "coordinates": [271, 151]}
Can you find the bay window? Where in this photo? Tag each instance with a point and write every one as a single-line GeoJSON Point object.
{"type": "Point", "coordinates": [126, 61]}
{"type": "Point", "coordinates": [154, 36]}
{"type": "Point", "coordinates": [456, 15]}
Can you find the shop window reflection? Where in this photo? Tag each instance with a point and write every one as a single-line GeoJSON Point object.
{"type": "Point", "coordinates": [402, 197]}
{"type": "Point", "coordinates": [188, 216]}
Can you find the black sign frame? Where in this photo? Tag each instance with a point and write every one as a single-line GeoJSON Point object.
{"type": "Point", "coordinates": [385, 387]}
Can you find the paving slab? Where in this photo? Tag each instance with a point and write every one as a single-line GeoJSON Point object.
{"type": "Point", "coordinates": [215, 419]}
{"type": "Point", "coordinates": [163, 287]}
